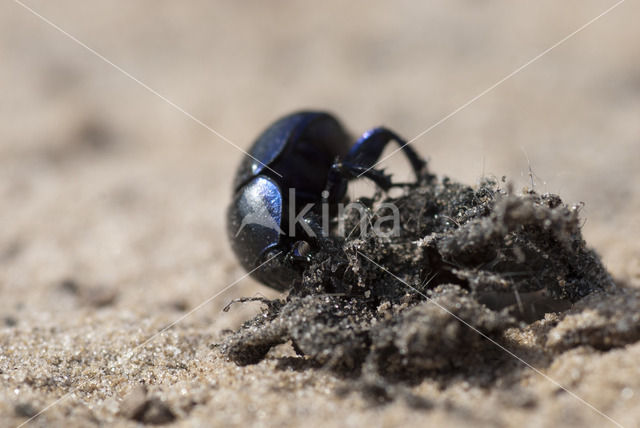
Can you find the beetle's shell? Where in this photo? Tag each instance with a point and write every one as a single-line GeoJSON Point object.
{"type": "Point", "coordinates": [300, 147]}
{"type": "Point", "coordinates": [259, 205]}
{"type": "Point", "coordinates": [296, 152]}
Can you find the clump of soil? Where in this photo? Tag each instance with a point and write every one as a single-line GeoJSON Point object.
{"type": "Point", "coordinates": [467, 265]}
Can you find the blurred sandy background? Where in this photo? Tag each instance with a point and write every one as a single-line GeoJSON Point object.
{"type": "Point", "coordinates": [112, 202]}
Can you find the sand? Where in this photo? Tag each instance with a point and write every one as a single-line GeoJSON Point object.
{"type": "Point", "coordinates": [112, 201]}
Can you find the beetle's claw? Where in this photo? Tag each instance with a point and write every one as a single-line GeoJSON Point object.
{"type": "Point", "coordinates": [301, 250]}
{"type": "Point", "coordinates": [300, 253]}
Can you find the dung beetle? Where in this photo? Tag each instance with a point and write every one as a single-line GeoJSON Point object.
{"type": "Point", "coordinates": [310, 152]}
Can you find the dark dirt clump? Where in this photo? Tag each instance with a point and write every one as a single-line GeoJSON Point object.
{"type": "Point", "coordinates": [465, 265]}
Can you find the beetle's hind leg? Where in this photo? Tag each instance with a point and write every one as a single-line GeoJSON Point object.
{"type": "Point", "coordinates": [362, 158]}
{"type": "Point", "coordinates": [352, 171]}
{"type": "Point", "coordinates": [368, 149]}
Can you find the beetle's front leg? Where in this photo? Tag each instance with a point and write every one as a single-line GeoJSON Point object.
{"type": "Point", "coordinates": [342, 172]}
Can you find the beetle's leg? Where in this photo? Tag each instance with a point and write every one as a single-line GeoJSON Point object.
{"type": "Point", "coordinates": [342, 172]}
{"type": "Point", "coordinates": [360, 160]}
{"type": "Point", "coordinates": [368, 149]}
{"type": "Point", "coordinates": [352, 171]}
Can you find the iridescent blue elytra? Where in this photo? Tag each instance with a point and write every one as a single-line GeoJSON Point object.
{"type": "Point", "coordinates": [311, 153]}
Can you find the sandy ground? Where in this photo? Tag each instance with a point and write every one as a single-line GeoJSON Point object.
{"type": "Point", "coordinates": [112, 201]}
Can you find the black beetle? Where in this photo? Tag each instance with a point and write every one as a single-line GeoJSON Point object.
{"type": "Point", "coordinates": [311, 153]}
